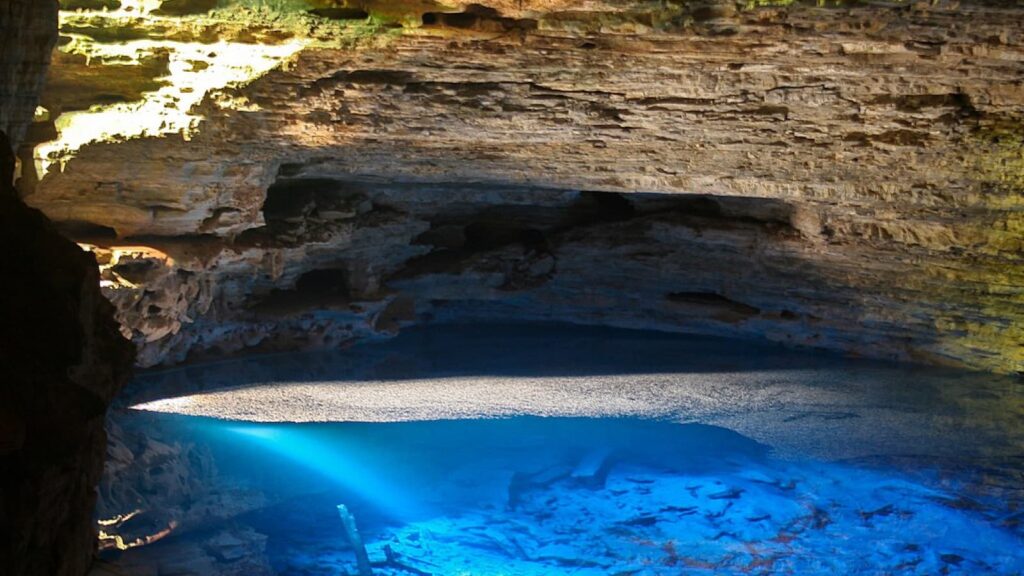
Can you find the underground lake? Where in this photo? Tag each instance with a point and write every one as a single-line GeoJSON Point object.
{"type": "Point", "coordinates": [511, 287]}
{"type": "Point", "coordinates": [548, 449]}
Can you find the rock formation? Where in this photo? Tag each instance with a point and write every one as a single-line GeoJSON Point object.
{"type": "Point", "coordinates": [847, 175]}
{"type": "Point", "coordinates": [157, 484]}
{"type": "Point", "coordinates": [61, 357]}
{"type": "Point", "coordinates": [28, 38]}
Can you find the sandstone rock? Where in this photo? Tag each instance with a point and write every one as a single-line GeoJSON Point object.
{"type": "Point", "coordinates": [845, 176]}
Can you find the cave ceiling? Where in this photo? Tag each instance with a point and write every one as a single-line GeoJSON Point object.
{"type": "Point", "coordinates": [279, 173]}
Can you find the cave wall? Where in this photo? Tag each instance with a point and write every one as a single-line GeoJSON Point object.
{"type": "Point", "coordinates": [27, 29]}
{"type": "Point", "coordinates": [61, 356]}
{"type": "Point", "coordinates": [846, 175]}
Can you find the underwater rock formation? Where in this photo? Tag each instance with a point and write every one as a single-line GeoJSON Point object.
{"type": "Point", "coordinates": [155, 486]}
{"type": "Point", "coordinates": [844, 176]}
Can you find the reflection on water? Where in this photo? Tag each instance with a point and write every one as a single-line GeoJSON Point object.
{"type": "Point", "coordinates": [808, 464]}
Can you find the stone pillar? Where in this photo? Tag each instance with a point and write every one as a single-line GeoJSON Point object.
{"type": "Point", "coordinates": [28, 33]}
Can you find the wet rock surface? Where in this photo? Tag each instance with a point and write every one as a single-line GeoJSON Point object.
{"type": "Point", "coordinates": [227, 552]}
{"type": "Point", "coordinates": [749, 520]}
{"type": "Point", "coordinates": [700, 499]}
{"type": "Point", "coordinates": [156, 485]}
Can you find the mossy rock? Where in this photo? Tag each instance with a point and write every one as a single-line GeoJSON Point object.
{"type": "Point", "coordinates": [90, 4]}
{"type": "Point", "coordinates": [185, 7]}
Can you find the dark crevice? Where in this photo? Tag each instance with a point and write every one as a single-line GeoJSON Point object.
{"type": "Point", "coordinates": [715, 305]}
{"type": "Point", "coordinates": [539, 228]}
{"type": "Point", "coordinates": [323, 288]}
{"type": "Point", "coordinates": [329, 282]}
{"type": "Point", "coordinates": [185, 7]}
{"type": "Point", "coordinates": [918, 102]}
{"type": "Point", "coordinates": [340, 13]}
{"type": "Point", "coordinates": [290, 169]}
{"type": "Point", "coordinates": [608, 206]}
{"type": "Point", "coordinates": [291, 198]}
{"type": "Point", "coordinates": [480, 19]}
{"type": "Point", "coordinates": [456, 243]}
{"type": "Point", "coordinates": [483, 236]}
{"type": "Point", "coordinates": [136, 271]}
{"type": "Point", "coordinates": [892, 137]}
{"type": "Point", "coordinates": [86, 231]}
{"type": "Point", "coordinates": [306, 209]}
{"type": "Point", "coordinates": [390, 77]}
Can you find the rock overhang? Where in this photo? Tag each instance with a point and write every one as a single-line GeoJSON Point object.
{"type": "Point", "coordinates": [889, 138]}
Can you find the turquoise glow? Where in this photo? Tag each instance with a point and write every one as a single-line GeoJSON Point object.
{"type": "Point", "coordinates": [344, 462]}
{"type": "Point", "coordinates": [582, 496]}
{"type": "Point", "coordinates": [758, 461]}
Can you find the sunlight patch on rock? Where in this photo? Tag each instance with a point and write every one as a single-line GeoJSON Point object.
{"type": "Point", "coordinates": [195, 71]}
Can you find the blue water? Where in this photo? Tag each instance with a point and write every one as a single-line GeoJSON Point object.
{"type": "Point", "coordinates": [849, 468]}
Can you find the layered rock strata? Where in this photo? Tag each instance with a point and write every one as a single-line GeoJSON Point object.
{"type": "Point", "coordinates": [844, 176]}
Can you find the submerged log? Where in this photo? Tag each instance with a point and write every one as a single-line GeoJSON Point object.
{"type": "Point", "coordinates": [348, 523]}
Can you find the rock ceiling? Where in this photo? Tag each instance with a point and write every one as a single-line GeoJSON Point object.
{"type": "Point", "coordinates": [292, 173]}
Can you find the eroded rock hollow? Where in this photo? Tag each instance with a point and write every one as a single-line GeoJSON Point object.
{"type": "Point", "coordinates": [303, 173]}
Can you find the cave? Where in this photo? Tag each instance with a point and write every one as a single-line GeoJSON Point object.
{"type": "Point", "coordinates": [511, 287]}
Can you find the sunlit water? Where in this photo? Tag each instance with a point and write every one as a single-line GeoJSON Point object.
{"type": "Point", "coordinates": [686, 456]}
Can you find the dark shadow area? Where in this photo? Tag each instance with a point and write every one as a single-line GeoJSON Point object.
{"type": "Point", "coordinates": [434, 351]}
{"type": "Point", "coordinates": [340, 13]}
{"type": "Point", "coordinates": [716, 305]}
{"type": "Point", "coordinates": [485, 349]}
{"type": "Point", "coordinates": [86, 231]}
{"type": "Point", "coordinates": [290, 199]}
{"type": "Point", "coordinates": [479, 18]}
{"type": "Point", "coordinates": [316, 289]}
